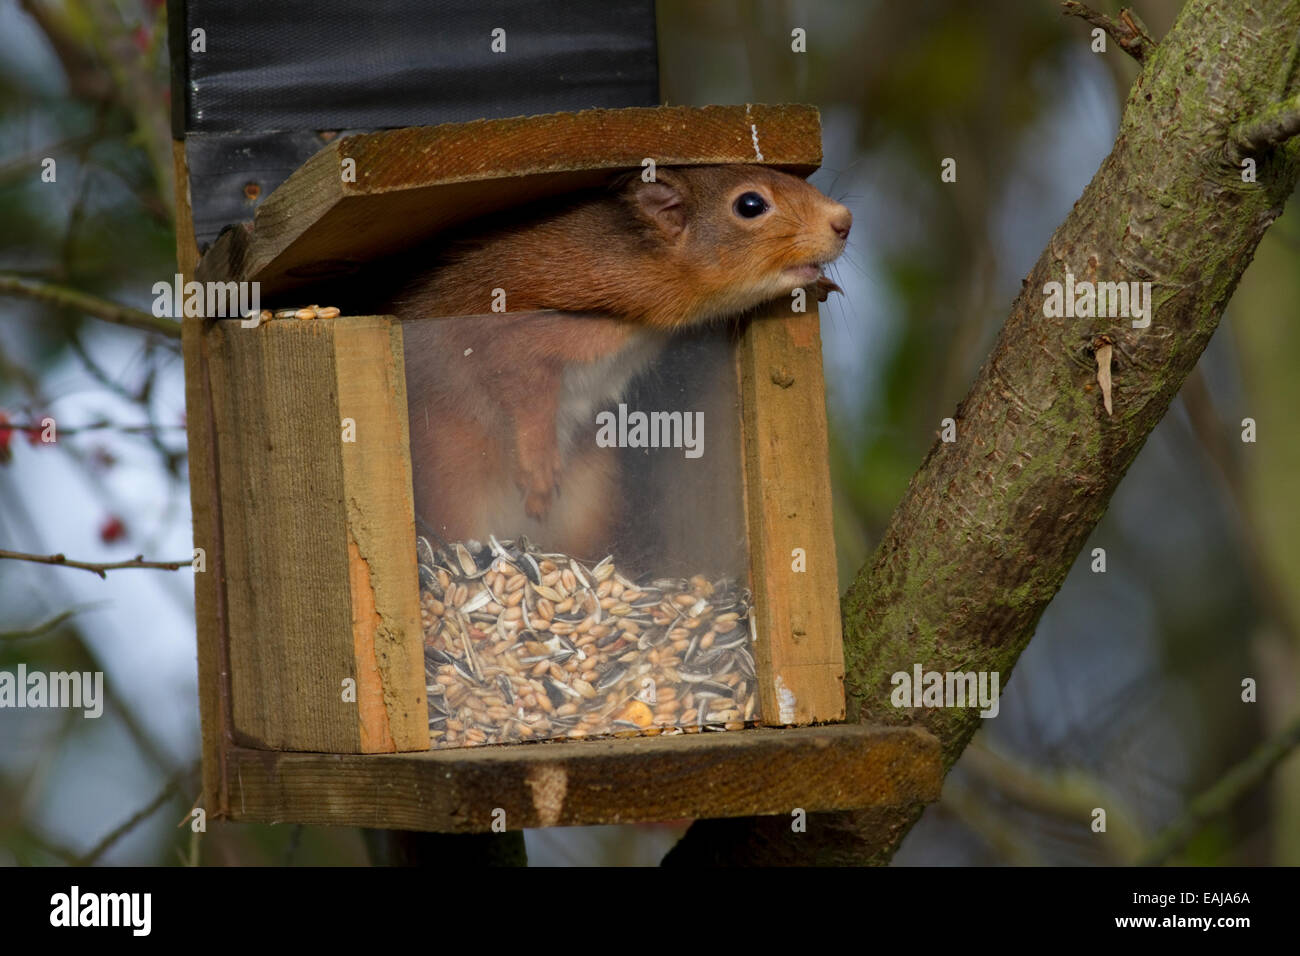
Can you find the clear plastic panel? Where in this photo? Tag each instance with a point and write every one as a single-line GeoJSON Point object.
{"type": "Point", "coordinates": [581, 536]}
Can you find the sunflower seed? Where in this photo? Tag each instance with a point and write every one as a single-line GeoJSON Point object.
{"type": "Point", "coordinates": [522, 644]}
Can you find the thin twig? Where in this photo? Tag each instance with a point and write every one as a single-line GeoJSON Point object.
{"type": "Point", "coordinates": [193, 858]}
{"type": "Point", "coordinates": [101, 569]}
{"type": "Point", "coordinates": [73, 227]}
{"type": "Point", "coordinates": [87, 79]}
{"type": "Point", "coordinates": [43, 628]}
{"type": "Point", "coordinates": [1269, 128]}
{"type": "Point", "coordinates": [49, 846]}
{"type": "Point", "coordinates": [1069, 795]}
{"type": "Point", "coordinates": [1266, 579]}
{"type": "Point", "coordinates": [295, 838]}
{"type": "Point", "coordinates": [23, 164]}
{"type": "Point", "coordinates": [1220, 798]}
{"type": "Point", "coordinates": [135, 86]}
{"type": "Point", "coordinates": [989, 822]}
{"type": "Point", "coordinates": [171, 458]}
{"type": "Point", "coordinates": [1128, 31]}
{"type": "Point", "coordinates": [135, 820]}
{"type": "Point", "coordinates": [91, 305]}
{"type": "Point", "coordinates": [90, 427]}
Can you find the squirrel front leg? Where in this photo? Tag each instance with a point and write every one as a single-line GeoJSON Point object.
{"type": "Point", "coordinates": [529, 387]}
{"type": "Point", "coordinates": [537, 451]}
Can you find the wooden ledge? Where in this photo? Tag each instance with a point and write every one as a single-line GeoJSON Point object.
{"type": "Point", "coordinates": [575, 783]}
{"type": "Point", "coordinates": [411, 183]}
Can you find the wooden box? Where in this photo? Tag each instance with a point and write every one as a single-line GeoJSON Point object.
{"type": "Point", "coordinates": [311, 656]}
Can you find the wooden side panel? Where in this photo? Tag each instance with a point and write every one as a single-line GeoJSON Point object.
{"type": "Point", "coordinates": [284, 527]}
{"type": "Point", "coordinates": [799, 651]}
{"type": "Point", "coordinates": [388, 641]}
{"type": "Point", "coordinates": [741, 773]}
{"type": "Point", "coordinates": [205, 509]}
{"type": "Point", "coordinates": [209, 582]}
{"type": "Point", "coordinates": [187, 251]}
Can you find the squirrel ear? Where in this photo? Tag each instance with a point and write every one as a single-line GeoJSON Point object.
{"type": "Point", "coordinates": [662, 202]}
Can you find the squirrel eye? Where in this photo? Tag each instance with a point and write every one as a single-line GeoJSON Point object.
{"type": "Point", "coordinates": [749, 205]}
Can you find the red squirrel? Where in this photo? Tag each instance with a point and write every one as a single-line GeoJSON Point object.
{"type": "Point", "coordinates": [503, 407]}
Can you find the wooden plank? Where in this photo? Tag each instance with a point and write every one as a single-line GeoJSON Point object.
{"type": "Point", "coordinates": [284, 529]}
{"type": "Point", "coordinates": [799, 650]}
{"type": "Point", "coordinates": [205, 509]}
{"type": "Point", "coordinates": [740, 773]}
{"type": "Point", "coordinates": [410, 183]}
{"type": "Point", "coordinates": [187, 250]}
{"type": "Point", "coordinates": [209, 583]}
{"type": "Point", "coordinates": [387, 635]}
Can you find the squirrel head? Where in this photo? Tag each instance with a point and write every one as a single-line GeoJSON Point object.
{"type": "Point", "coordinates": [735, 236]}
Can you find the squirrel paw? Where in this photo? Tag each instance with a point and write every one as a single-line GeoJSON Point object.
{"type": "Point", "coordinates": [539, 486]}
{"type": "Point", "coordinates": [537, 503]}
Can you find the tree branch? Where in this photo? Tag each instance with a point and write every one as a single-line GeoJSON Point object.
{"type": "Point", "coordinates": [1128, 31]}
{"type": "Point", "coordinates": [91, 305]}
{"type": "Point", "coordinates": [1271, 127]}
{"type": "Point", "coordinates": [101, 569]}
{"type": "Point", "coordinates": [992, 522]}
{"type": "Point", "coordinates": [1226, 792]}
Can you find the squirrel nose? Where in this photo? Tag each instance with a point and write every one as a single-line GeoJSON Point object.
{"type": "Point", "coordinates": [842, 222]}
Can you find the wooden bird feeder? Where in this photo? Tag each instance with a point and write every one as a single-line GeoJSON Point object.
{"type": "Point", "coordinates": [311, 584]}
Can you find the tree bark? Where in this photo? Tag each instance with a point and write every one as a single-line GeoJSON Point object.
{"type": "Point", "coordinates": [992, 522]}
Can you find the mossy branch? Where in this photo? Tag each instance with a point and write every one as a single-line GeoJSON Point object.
{"type": "Point", "coordinates": [1271, 127]}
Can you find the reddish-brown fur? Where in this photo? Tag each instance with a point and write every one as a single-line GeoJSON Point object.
{"type": "Point", "coordinates": [492, 398]}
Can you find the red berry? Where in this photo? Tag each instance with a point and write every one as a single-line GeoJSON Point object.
{"type": "Point", "coordinates": [6, 436]}
{"type": "Point", "coordinates": [112, 530]}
